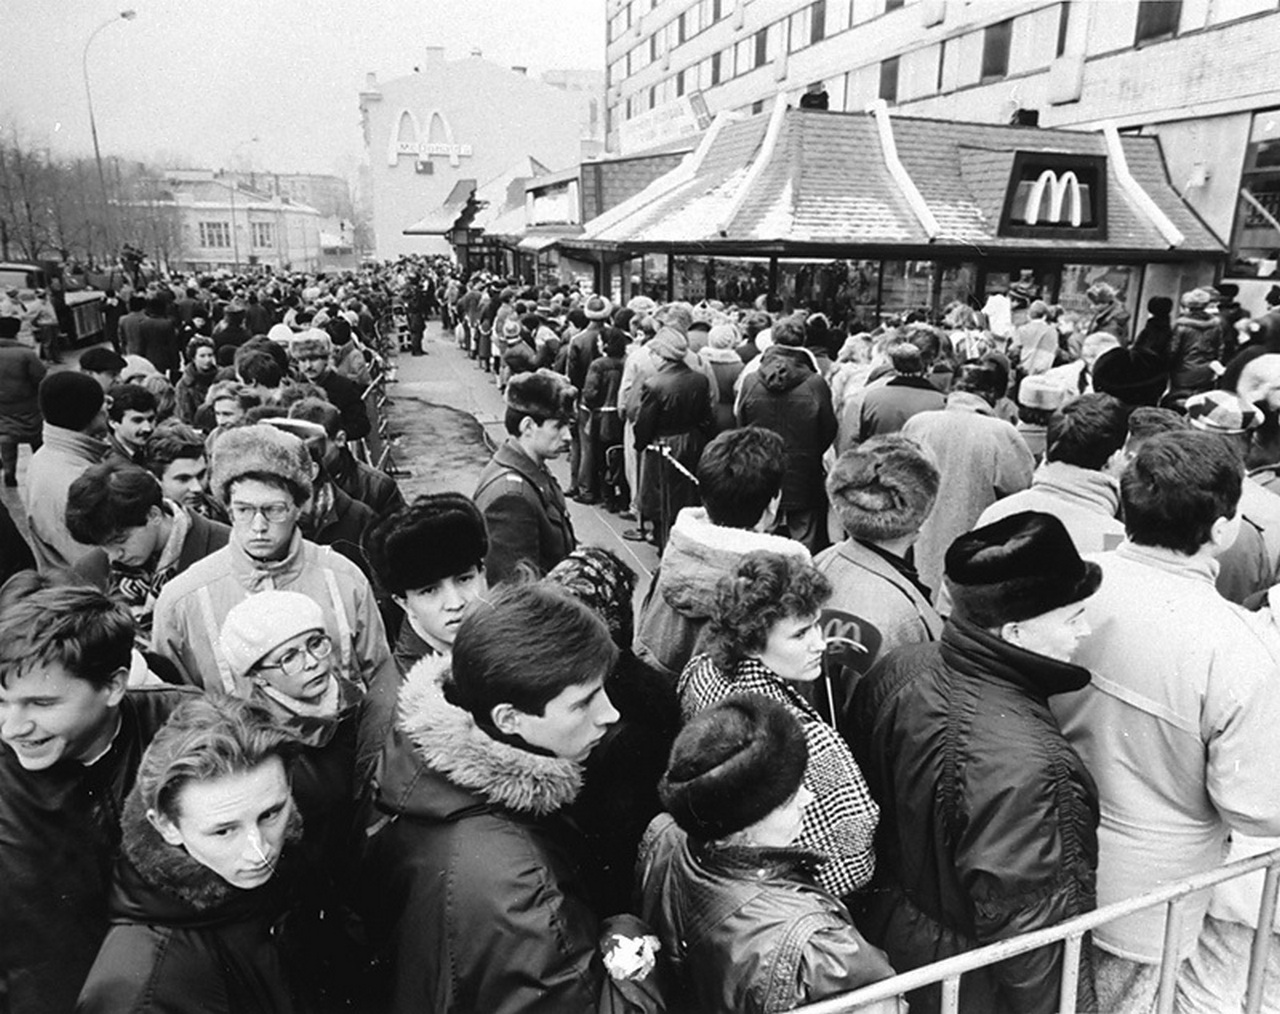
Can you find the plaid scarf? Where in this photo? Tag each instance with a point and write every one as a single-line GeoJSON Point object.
{"type": "Point", "coordinates": [841, 821]}
{"type": "Point", "coordinates": [139, 587]}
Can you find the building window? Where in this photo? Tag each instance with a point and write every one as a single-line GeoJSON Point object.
{"type": "Point", "coordinates": [889, 79]}
{"type": "Point", "coordinates": [757, 107]}
{"type": "Point", "coordinates": [679, 83]}
{"type": "Point", "coordinates": [942, 62]}
{"type": "Point", "coordinates": [995, 50]}
{"type": "Point", "coordinates": [1255, 240]}
{"type": "Point", "coordinates": [717, 10]}
{"type": "Point", "coordinates": [818, 24]}
{"type": "Point", "coordinates": [653, 47]}
{"type": "Point", "coordinates": [1064, 22]}
{"type": "Point", "coordinates": [264, 235]}
{"type": "Point", "coordinates": [1157, 19]}
{"type": "Point", "coordinates": [761, 48]}
{"type": "Point", "coordinates": [1056, 195]}
{"type": "Point", "coordinates": [798, 28]}
{"type": "Point", "coordinates": [893, 5]}
{"type": "Point", "coordinates": [715, 68]}
{"type": "Point", "coordinates": [653, 96]}
{"type": "Point", "coordinates": [215, 234]}
{"type": "Point", "coordinates": [682, 28]}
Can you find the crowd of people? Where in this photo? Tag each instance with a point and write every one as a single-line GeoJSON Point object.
{"type": "Point", "coordinates": [960, 628]}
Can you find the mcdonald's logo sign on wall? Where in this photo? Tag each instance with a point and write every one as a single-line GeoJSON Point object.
{"type": "Point", "coordinates": [1056, 195]}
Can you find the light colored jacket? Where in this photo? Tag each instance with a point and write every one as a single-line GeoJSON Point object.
{"type": "Point", "coordinates": [868, 587]}
{"type": "Point", "coordinates": [1178, 728]}
{"type": "Point", "coordinates": [62, 458]}
{"type": "Point", "coordinates": [1086, 501]}
{"type": "Point", "coordinates": [192, 607]}
{"type": "Point", "coordinates": [982, 459]}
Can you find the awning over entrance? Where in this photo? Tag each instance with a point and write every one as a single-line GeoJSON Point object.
{"type": "Point", "coordinates": [441, 221]}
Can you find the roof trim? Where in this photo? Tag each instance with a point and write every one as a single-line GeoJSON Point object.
{"type": "Point", "coordinates": [763, 157]}
{"type": "Point", "coordinates": [880, 110]}
{"type": "Point", "coordinates": [666, 183]}
{"type": "Point", "coordinates": [1133, 189]}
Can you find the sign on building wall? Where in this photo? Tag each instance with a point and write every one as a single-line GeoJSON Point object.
{"type": "Point", "coordinates": [670, 121]}
{"type": "Point", "coordinates": [408, 138]}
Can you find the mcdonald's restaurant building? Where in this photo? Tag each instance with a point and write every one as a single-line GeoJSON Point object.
{"type": "Point", "coordinates": [861, 215]}
{"type": "Point", "coordinates": [434, 137]}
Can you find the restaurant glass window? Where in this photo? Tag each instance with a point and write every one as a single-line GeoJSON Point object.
{"type": "Point", "coordinates": [691, 278]}
{"type": "Point", "coordinates": [736, 281]}
{"type": "Point", "coordinates": [1126, 279]}
{"type": "Point", "coordinates": [846, 291]}
{"type": "Point", "coordinates": [1255, 240]}
{"type": "Point", "coordinates": [958, 284]}
{"type": "Point", "coordinates": [653, 278]}
{"type": "Point", "coordinates": [907, 286]}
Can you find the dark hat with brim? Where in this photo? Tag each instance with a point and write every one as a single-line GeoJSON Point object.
{"type": "Point", "coordinates": [1021, 566]}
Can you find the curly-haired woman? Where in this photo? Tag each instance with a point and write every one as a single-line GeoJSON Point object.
{"type": "Point", "coordinates": [764, 634]}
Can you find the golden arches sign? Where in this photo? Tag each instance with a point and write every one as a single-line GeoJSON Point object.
{"type": "Point", "coordinates": [1059, 189]}
{"type": "Point", "coordinates": [419, 144]}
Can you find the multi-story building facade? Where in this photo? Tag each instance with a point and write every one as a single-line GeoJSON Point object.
{"type": "Point", "coordinates": [435, 137]}
{"type": "Point", "coordinates": [1189, 71]}
{"type": "Point", "coordinates": [226, 225]}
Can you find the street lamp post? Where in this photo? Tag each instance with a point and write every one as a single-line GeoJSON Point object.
{"type": "Point", "coordinates": [235, 185]}
{"type": "Point", "coordinates": [128, 15]}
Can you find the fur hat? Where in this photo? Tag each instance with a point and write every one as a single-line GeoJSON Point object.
{"type": "Point", "coordinates": [678, 316]}
{"type": "Point", "coordinates": [311, 344]}
{"type": "Point", "coordinates": [597, 308]}
{"type": "Point", "coordinates": [669, 344]}
{"type": "Point", "coordinates": [641, 305]}
{"type": "Point", "coordinates": [884, 488]}
{"type": "Point", "coordinates": [733, 764]}
{"type": "Point", "coordinates": [1160, 306]}
{"type": "Point", "coordinates": [258, 448]}
{"type": "Point", "coordinates": [261, 623]}
{"type": "Point", "coordinates": [1039, 391]}
{"type": "Point", "coordinates": [102, 360]}
{"type": "Point", "coordinates": [723, 336]}
{"type": "Point", "coordinates": [543, 394]}
{"type": "Point", "coordinates": [1222, 412]}
{"type": "Point", "coordinates": [1134, 377]}
{"type": "Point", "coordinates": [1021, 566]}
{"type": "Point", "coordinates": [70, 399]}
{"type": "Point", "coordinates": [434, 537]}
{"type": "Point", "coordinates": [1196, 299]}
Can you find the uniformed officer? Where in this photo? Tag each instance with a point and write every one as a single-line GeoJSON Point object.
{"type": "Point", "coordinates": [523, 505]}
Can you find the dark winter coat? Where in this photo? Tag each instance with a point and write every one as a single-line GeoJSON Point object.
{"type": "Point", "coordinates": [1155, 340]}
{"type": "Point", "coordinates": [182, 939]}
{"type": "Point", "coordinates": [20, 374]}
{"type": "Point", "coordinates": [471, 876]}
{"type": "Point", "coordinates": [600, 395]}
{"type": "Point", "coordinates": [886, 409]}
{"type": "Point", "coordinates": [59, 833]}
{"type": "Point", "coordinates": [989, 818]}
{"type": "Point", "coordinates": [345, 395]}
{"type": "Point", "coordinates": [787, 395]}
{"type": "Point", "coordinates": [204, 537]}
{"type": "Point", "coordinates": [191, 390]}
{"type": "Point", "coordinates": [343, 527]}
{"type": "Point", "coordinates": [371, 486]}
{"type": "Point", "coordinates": [675, 410]}
{"type": "Point", "coordinates": [1196, 342]}
{"type": "Point", "coordinates": [747, 929]}
{"type": "Point", "coordinates": [159, 337]}
{"type": "Point", "coordinates": [525, 512]}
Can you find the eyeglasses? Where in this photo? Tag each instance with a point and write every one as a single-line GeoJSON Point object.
{"type": "Point", "coordinates": [276, 512]}
{"type": "Point", "coordinates": [292, 662]}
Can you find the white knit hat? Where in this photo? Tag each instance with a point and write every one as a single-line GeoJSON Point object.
{"type": "Point", "coordinates": [261, 623]}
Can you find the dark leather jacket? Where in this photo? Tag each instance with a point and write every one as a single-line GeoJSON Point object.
{"type": "Point", "coordinates": [989, 818]}
{"type": "Point", "coordinates": [747, 929]}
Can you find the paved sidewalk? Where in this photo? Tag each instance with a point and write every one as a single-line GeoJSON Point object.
{"type": "Point", "coordinates": [446, 376]}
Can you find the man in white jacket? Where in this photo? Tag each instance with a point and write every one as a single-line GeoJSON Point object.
{"type": "Point", "coordinates": [1178, 724]}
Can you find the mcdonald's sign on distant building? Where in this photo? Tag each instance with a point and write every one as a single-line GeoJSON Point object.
{"type": "Point", "coordinates": [1056, 195]}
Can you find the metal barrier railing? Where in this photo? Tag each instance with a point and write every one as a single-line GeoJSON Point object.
{"type": "Point", "coordinates": [1071, 935]}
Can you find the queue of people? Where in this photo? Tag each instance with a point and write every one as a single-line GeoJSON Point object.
{"type": "Point", "coordinates": [958, 631]}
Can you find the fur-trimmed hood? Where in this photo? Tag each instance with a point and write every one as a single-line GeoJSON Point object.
{"type": "Point", "coordinates": [161, 884]}
{"type": "Point", "coordinates": [442, 765]}
{"type": "Point", "coordinates": [699, 553]}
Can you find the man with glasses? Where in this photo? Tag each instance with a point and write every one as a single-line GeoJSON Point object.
{"type": "Point", "coordinates": [264, 477]}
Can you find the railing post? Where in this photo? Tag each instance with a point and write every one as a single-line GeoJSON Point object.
{"type": "Point", "coordinates": [1070, 974]}
{"type": "Point", "coordinates": [1169, 956]}
{"type": "Point", "coordinates": [1262, 941]}
{"type": "Point", "coordinates": [951, 995]}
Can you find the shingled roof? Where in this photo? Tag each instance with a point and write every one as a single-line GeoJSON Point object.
{"type": "Point", "coordinates": [826, 184]}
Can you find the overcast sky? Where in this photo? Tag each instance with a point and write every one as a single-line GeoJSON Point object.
{"type": "Point", "coordinates": [189, 80]}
